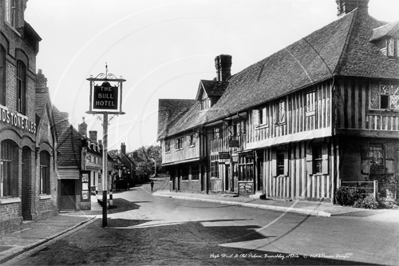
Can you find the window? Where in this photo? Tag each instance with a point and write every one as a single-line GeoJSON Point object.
{"type": "Point", "coordinates": [205, 104]}
{"type": "Point", "coordinates": [310, 102]}
{"type": "Point", "coordinates": [11, 12]}
{"type": "Point", "coordinates": [44, 187]}
{"type": "Point", "coordinates": [21, 87]}
{"type": "Point", "coordinates": [217, 133]}
{"type": "Point", "coordinates": [9, 169]}
{"type": "Point", "coordinates": [179, 143]}
{"type": "Point", "coordinates": [191, 140]}
{"type": "Point", "coordinates": [317, 158]}
{"type": "Point", "coordinates": [384, 97]}
{"type": "Point", "coordinates": [376, 155]}
{"type": "Point", "coordinates": [393, 47]}
{"type": "Point", "coordinates": [280, 163]}
{"type": "Point", "coordinates": [281, 112]}
{"type": "Point", "coordinates": [263, 116]}
{"type": "Point", "coordinates": [167, 146]}
{"type": "Point", "coordinates": [246, 166]}
{"type": "Point", "coordinates": [317, 161]}
{"type": "Point", "coordinates": [2, 75]}
{"type": "Point", "coordinates": [215, 169]}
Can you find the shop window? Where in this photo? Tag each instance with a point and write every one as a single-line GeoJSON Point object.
{"type": "Point", "coordinates": [44, 187]}
{"type": "Point", "coordinates": [11, 12]}
{"type": "Point", "coordinates": [215, 169]}
{"type": "Point", "coordinates": [246, 167]}
{"type": "Point", "coordinates": [21, 87]}
{"type": "Point", "coordinates": [195, 172]}
{"type": "Point", "coordinates": [310, 102]}
{"type": "Point", "coordinates": [384, 97]}
{"type": "Point", "coordinates": [9, 168]}
{"type": "Point", "coordinates": [167, 146]}
{"type": "Point", "coordinates": [2, 75]}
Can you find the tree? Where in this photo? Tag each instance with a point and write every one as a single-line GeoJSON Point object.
{"type": "Point", "coordinates": [148, 159]}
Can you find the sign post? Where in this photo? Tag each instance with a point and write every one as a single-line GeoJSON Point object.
{"type": "Point", "coordinates": [105, 99]}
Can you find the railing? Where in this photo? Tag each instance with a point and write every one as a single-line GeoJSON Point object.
{"type": "Point", "coordinates": [371, 187]}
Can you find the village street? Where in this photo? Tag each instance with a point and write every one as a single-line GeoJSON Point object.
{"type": "Point", "coordinates": [149, 230]}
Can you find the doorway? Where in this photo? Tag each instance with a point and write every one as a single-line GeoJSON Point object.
{"type": "Point", "coordinates": [67, 198]}
{"type": "Point", "coordinates": [26, 184]}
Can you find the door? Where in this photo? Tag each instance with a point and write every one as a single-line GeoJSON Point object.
{"type": "Point", "coordinates": [259, 177]}
{"type": "Point", "coordinates": [67, 198]}
{"type": "Point", "coordinates": [26, 184]}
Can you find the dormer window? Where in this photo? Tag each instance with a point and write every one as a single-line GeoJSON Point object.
{"type": "Point", "coordinates": [393, 48]}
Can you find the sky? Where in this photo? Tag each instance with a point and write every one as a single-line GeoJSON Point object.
{"type": "Point", "coordinates": [162, 49]}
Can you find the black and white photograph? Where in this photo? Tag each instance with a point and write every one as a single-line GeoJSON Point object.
{"type": "Point", "coordinates": [199, 132]}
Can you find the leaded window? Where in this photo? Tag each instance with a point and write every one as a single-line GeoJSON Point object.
{"type": "Point", "coordinates": [167, 146]}
{"type": "Point", "coordinates": [384, 97]}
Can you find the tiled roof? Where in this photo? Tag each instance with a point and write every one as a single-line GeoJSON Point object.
{"type": "Point", "coordinates": [214, 88]}
{"type": "Point", "coordinates": [391, 29]}
{"type": "Point", "coordinates": [341, 48]}
{"type": "Point", "coordinates": [169, 111]}
{"type": "Point", "coordinates": [69, 141]}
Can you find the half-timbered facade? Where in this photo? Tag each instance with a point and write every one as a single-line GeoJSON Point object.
{"type": "Point", "coordinates": [298, 123]}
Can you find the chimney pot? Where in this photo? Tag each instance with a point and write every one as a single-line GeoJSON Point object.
{"type": "Point", "coordinates": [83, 128]}
{"type": "Point", "coordinates": [93, 135]}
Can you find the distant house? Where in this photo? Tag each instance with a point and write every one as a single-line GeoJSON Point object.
{"type": "Point", "coordinates": [296, 124]}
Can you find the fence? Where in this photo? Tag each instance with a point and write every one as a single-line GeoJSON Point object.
{"type": "Point", "coordinates": [371, 187]}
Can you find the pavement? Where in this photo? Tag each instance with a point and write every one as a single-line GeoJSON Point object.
{"type": "Point", "coordinates": [35, 234]}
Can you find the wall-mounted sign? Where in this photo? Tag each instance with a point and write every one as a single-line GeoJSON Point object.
{"type": "Point", "coordinates": [17, 120]}
{"type": "Point", "coordinates": [224, 155]}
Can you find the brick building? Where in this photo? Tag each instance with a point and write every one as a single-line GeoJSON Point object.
{"type": "Point", "coordinates": [26, 142]}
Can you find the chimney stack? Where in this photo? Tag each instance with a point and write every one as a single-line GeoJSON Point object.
{"type": "Point", "coordinates": [83, 128]}
{"type": "Point", "coordinates": [41, 82]}
{"type": "Point", "coordinates": [346, 6]}
{"type": "Point", "coordinates": [93, 135]}
{"type": "Point", "coordinates": [223, 67]}
{"type": "Point", "coordinates": [123, 148]}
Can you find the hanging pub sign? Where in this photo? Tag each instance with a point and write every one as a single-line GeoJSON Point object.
{"type": "Point", "coordinates": [233, 143]}
{"type": "Point", "coordinates": [105, 94]}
